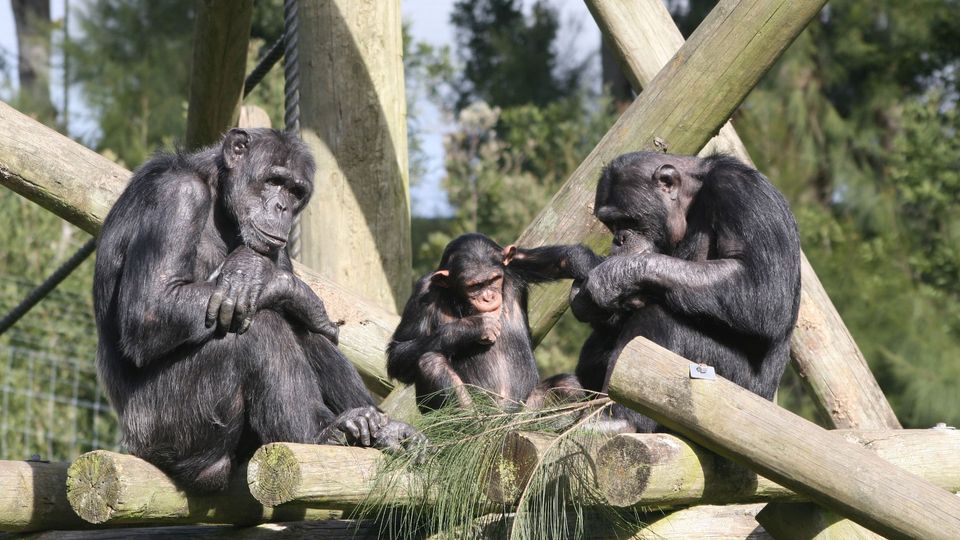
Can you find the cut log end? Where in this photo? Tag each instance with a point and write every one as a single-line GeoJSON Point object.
{"type": "Point", "coordinates": [623, 469]}
{"type": "Point", "coordinates": [93, 486]}
{"type": "Point", "coordinates": [274, 474]}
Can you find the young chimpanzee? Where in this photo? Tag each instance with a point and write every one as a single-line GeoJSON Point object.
{"type": "Point", "coordinates": [705, 262]}
{"type": "Point", "coordinates": [208, 344]}
{"type": "Point", "coordinates": [466, 323]}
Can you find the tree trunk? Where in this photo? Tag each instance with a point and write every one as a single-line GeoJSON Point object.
{"type": "Point", "coordinates": [32, 21]}
{"type": "Point", "coordinates": [356, 229]}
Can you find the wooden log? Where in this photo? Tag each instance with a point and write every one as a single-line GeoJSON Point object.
{"type": "Point", "coordinates": [107, 487]}
{"type": "Point", "coordinates": [331, 476]}
{"type": "Point", "coordinates": [653, 469]}
{"type": "Point", "coordinates": [809, 521]}
{"type": "Point", "coordinates": [732, 522]}
{"type": "Point", "coordinates": [338, 529]}
{"type": "Point", "coordinates": [220, 37]}
{"type": "Point", "coordinates": [33, 497]}
{"type": "Point", "coordinates": [681, 108]}
{"type": "Point", "coordinates": [353, 116]}
{"type": "Point", "coordinates": [645, 38]}
{"type": "Point", "coordinates": [782, 446]}
{"type": "Point", "coordinates": [525, 452]}
{"type": "Point", "coordinates": [80, 186]}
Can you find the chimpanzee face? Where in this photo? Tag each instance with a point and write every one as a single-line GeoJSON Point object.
{"type": "Point", "coordinates": [268, 181]}
{"type": "Point", "coordinates": [642, 198]}
{"type": "Point", "coordinates": [473, 268]}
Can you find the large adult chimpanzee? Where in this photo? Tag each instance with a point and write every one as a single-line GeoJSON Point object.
{"type": "Point", "coordinates": [209, 345]}
{"type": "Point", "coordinates": [466, 323]}
{"type": "Point", "coordinates": [705, 262]}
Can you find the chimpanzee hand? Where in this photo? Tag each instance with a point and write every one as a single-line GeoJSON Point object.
{"type": "Point", "coordinates": [397, 436]}
{"type": "Point", "coordinates": [583, 306]}
{"type": "Point", "coordinates": [615, 282]}
{"type": "Point", "coordinates": [242, 279]}
{"type": "Point", "coordinates": [487, 326]}
{"type": "Point", "coordinates": [360, 426]}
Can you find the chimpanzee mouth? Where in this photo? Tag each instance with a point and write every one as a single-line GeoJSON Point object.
{"type": "Point", "coordinates": [270, 239]}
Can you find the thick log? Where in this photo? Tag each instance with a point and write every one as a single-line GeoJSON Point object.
{"type": "Point", "coordinates": [80, 186]}
{"type": "Point", "coordinates": [220, 36]}
{"type": "Point", "coordinates": [525, 452]}
{"type": "Point", "coordinates": [33, 497]}
{"type": "Point", "coordinates": [353, 116]}
{"type": "Point", "coordinates": [338, 529]}
{"type": "Point", "coordinates": [331, 476]}
{"type": "Point", "coordinates": [782, 446]}
{"type": "Point", "coordinates": [681, 108]}
{"type": "Point", "coordinates": [107, 487]}
{"type": "Point", "coordinates": [662, 469]}
{"type": "Point", "coordinates": [645, 38]}
{"type": "Point", "coordinates": [809, 521]}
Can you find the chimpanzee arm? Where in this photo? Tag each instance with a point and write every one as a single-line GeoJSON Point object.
{"type": "Point", "coordinates": [550, 263]}
{"type": "Point", "coordinates": [159, 306]}
{"type": "Point", "coordinates": [421, 331]}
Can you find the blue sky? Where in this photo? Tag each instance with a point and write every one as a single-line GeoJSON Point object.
{"type": "Point", "coordinates": [429, 21]}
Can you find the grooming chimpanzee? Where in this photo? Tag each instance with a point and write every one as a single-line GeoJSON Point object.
{"type": "Point", "coordinates": [466, 323]}
{"type": "Point", "coordinates": [705, 262]}
{"type": "Point", "coordinates": [209, 345]}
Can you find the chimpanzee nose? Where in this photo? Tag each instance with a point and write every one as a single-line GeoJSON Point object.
{"type": "Point", "coordinates": [281, 207]}
{"type": "Point", "coordinates": [619, 238]}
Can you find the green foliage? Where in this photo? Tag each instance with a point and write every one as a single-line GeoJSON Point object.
{"type": "Point", "coordinates": [132, 62]}
{"type": "Point", "coordinates": [446, 482]}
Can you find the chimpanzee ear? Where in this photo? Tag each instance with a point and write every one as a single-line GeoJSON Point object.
{"type": "Point", "coordinates": [235, 145]}
{"type": "Point", "coordinates": [668, 178]}
{"type": "Point", "coordinates": [509, 253]}
{"type": "Point", "coordinates": [439, 278]}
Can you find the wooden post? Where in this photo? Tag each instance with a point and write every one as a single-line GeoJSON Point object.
{"type": "Point", "coordinates": [331, 476]}
{"type": "Point", "coordinates": [781, 446]}
{"type": "Point", "coordinates": [33, 497]}
{"type": "Point", "coordinates": [657, 469]}
{"type": "Point", "coordinates": [106, 487]}
{"type": "Point", "coordinates": [220, 37]}
{"type": "Point", "coordinates": [80, 186]}
{"type": "Point", "coordinates": [681, 108]}
{"type": "Point", "coordinates": [356, 230]}
{"type": "Point", "coordinates": [645, 38]}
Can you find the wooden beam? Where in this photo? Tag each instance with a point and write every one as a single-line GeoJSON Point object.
{"type": "Point", "coordinates": [645, 38]}
{"type": "Point", "coordinates": [107, 487]}
{"type": "Point", "coordinates": [337, 529]}
{"type": "Point", "coordinates": [353, 116]}
{"type": "Point", "coordinates": [782, 446]}
{"type": "Point", "coordinates": [658, 469]}
{"type": "Point", "coordinates": [33, 497]}
{"type": "Point", "coordinates": [330, 476]}
{"type": "Point", "coordinates": [220, 37]}
{"type": "Point", "coordinates": [80, 186]}
{"type": "Point", "coordinates": [809, 521]}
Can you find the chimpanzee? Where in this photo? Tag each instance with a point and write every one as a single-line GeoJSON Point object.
{"type": "Point", "coordinates": [208, 344]}
{"type": "Point", "coordinates": [705, 262]}
{"type": "Point", "coordinates": [466, 323]}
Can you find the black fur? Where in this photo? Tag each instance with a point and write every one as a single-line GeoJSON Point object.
{"type": "Point", "coordinates": [725, 289]}
{"type": "Point", "coordinates": [194, 397]}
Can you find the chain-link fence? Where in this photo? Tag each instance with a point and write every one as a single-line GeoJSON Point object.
{"type": "Point", "coordinates": [50, 403]}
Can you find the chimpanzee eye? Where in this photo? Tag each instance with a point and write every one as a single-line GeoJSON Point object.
{"type": "Point", "coordinates": [275, 181]}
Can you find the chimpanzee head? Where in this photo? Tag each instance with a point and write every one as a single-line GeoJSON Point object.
{"type": "Point", "coordinates": [266, 178]}
{"type": "Point", "coordinates": [643, 199]}
{"type": "Point", "coordinates": [473, 268]}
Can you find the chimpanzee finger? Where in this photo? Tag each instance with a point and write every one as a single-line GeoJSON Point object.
{"type": "Point", "coordinates": [352, 428]}
{"type": "Point", "coordinates": [364, 424]}
{"type": "Point", "coordinates": [242, 309]}
{"type": "Point", "coordinates": [227, 308]}
{"type": "Point", "coordinates": [213, 306]}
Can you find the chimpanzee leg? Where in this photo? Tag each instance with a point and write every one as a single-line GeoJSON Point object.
{"type": "Point", "coordinates": [283, 396]}
{"type": "Point", "coordinates": [186, 416]}
{"type": "Point", "coordinates": [340, 383]}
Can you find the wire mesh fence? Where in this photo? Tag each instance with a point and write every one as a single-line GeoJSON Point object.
{"type": "Point", "coordinates": [50, 403]}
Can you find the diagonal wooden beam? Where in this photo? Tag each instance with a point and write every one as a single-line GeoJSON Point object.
{"type": "Point", "coordinates": [80, 186]}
